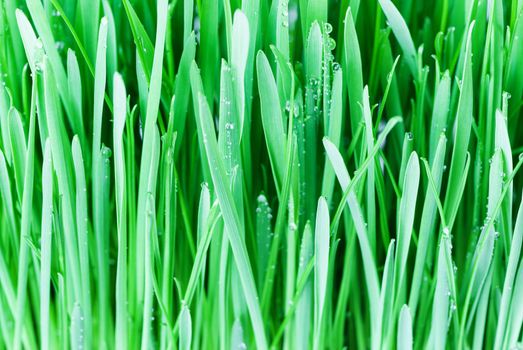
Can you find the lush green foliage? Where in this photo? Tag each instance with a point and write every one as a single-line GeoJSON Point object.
{"type": "Point", "coordinates": [261, 173]}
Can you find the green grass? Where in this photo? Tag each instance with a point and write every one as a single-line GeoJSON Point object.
{"type": "Point", "coordinates": [283, 174]}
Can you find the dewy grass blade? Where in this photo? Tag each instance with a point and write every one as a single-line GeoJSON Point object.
{"type": "Point", "coordinates": [25, 228]}
{"type": "Point", "coordinates": [272, 118]}
{"type": "Point", "coordinates": [146, 185]}
{"type": "Point", "coordinates": [98, 205]}
{"type": "Point", "coordinates": [230, 216]}
{"type": "Point", "coordinates": [303, 309]}
{"type": "Point", "coordinates": [462, 135]}
{"type": "Point", "coordinates": [439, 113]}
{"type": "Point", "coordinates": [321, 271]}
{"type": "Point", "coordinates": [371, 274]}
{"type": "Point", "coordinates": [402, 33]}
{"type": "Point", "coordinates": [83, 242]}
{"type": "Point", "coordinates": [44, 30]}
{"type": "Point", "coordinates": [405, 329]}
{"type": "Point", "coordinates": [371, 189]}
{"type": "Point", "coordinates": [353, 73]}
{"type": "Point", "coordinates": [181, 93]}
{"type": "Point", "coordinates": [240, 51]}
{"type": "Point", "coordinates": [406, 219]}
{"type": "Point", "coordinates": [120, 114]}
{"type": "Point", "coordinates": [31, 43]}
{"type": "Point", "coordinates": [441, 304]}
{"type": "Point", "coordinates": [387, 288]}
{"type": "Point", "coordinates": [428, 220]}
{"type": "Point", "coordinates": [185, 329]}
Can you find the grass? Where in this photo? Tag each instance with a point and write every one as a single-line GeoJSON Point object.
{"type": "Point", "coordinates": [283, 174]}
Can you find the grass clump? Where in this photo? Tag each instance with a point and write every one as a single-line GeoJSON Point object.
{"type": "Point", "coordinates": [261, 174]}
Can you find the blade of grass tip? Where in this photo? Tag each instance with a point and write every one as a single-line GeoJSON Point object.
{"type": "Point", "coordinates": [321, 271]}
{"type": "Point", "coordinates": [334, 131]}
{"type": "Point", "coordinates": [304, 307]}
{"type": "Point", "coordinates": [98, 204]}
{"type": "Point", "coordinates": [441, 303]}
{"type": "Point", "coordinates": [272, 119]}
{"type": "Point", "coordinates": [428, 219]}
{"type": "Point", "coordinates": [25, 228]}
{"type": "Point", "coordinates": [353, 73]}
{"type": "Point", "coordinates": [390, 87]}
{"type": "Point", "coordinates": [99, 88]}
{"type": "Point", "coordinates": [237, 337]}
{"type": "Point", "coordinates": [406, 220]}
{"type": "Point", "coordinates": [120, 114]}
{"type": "Point", "coordinates": [231, 219]}
{"type": "Point", "coordinates": [83, 243]}
{"type": "Point", "coordinates": [263, 236]}
{"type": "Point", "coordinates": [405, 329]}
{"type": "Point", "coordinates": [77, 328]}
{"type": "Point", "coordinates": [462, 136]}
{"type": "Point", "coordinates": [32, 45]}
{"type": "Point", "coordinates": [144, 187]}
{"type": "Point", "coordinates": [204, 208]}
{"type": "Point", "coordinates": [196, 89]}
{"type": "Point", "coordinates": [143, 43]}
{"type": "Point", "coordinates": [439, 114]}
{"type": "Point", "coordinates": [402, 34]}
{"type": "Point", "coordinates": [240, 51]}
{"type": "Point", "coordinates": [168, 186]}
{"type": "Point", "coordinates": [185, 329]}
{"type": "Point", "coordinates": [508, 284]}
{"type": "Point", "coordinates": [370, 271]}
{"type": "Point", "coordinates": [387, 289]}
{"type": "Point", "coordinates": [406, 150]}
